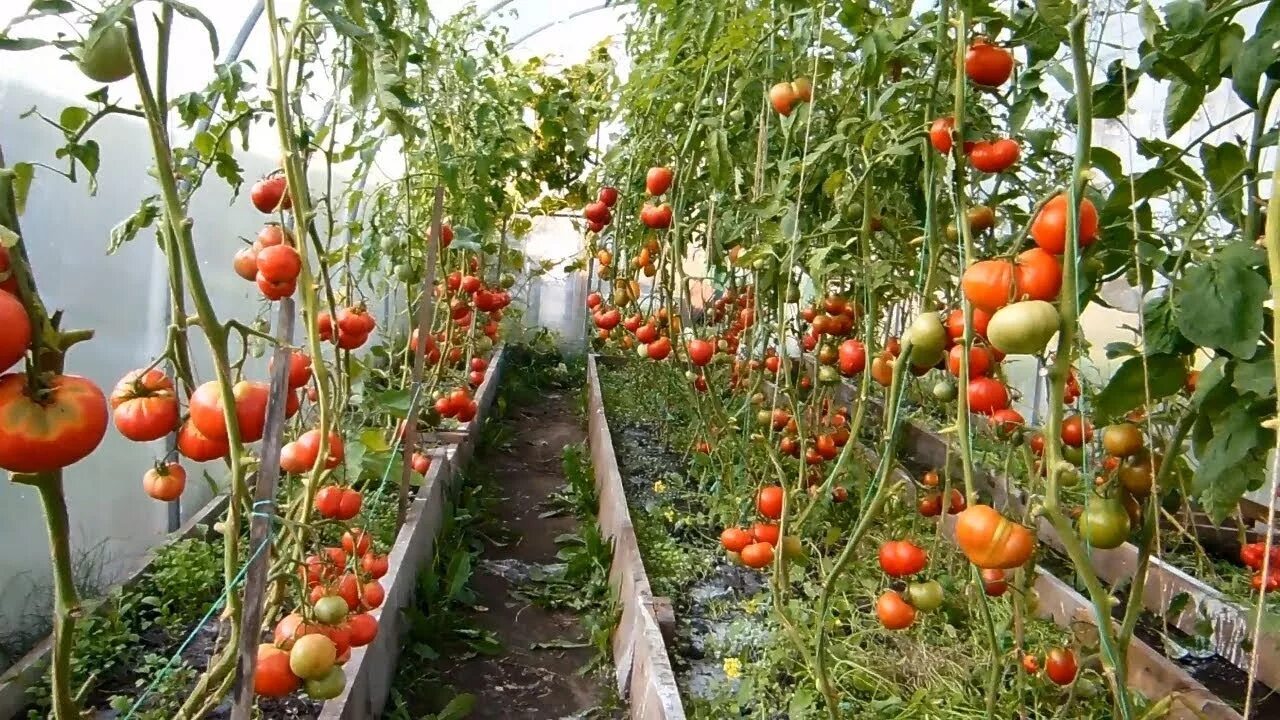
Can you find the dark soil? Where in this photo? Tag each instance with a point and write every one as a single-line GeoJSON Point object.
{"type": "Point", "coordinates": [521, 681]}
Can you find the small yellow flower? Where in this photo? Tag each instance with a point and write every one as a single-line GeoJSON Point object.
{"type": "Point", "coordinates": [751, 606]}
{"type": "Point", "coordinates": [659, 487]}
{"type": "Point", "coordinates": [732, 668]}
{"type": "Point", "coordinates": [670, 515]}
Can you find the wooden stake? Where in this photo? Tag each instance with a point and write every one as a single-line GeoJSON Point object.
{"type": "Point", "coordinates": [260, 521]}
{"type": "Point", "coordinates": [426, 305]}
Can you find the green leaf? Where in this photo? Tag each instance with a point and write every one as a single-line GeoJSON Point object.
{"type": "Point", "coordinates": [1224, 166]}
{"type": "Point", "coordinates": [73, 118]}
{"type": "Point", "coordinates": [127, 230]}
{"type": "Point", "coordinates": [1181, 104]}
{"type": "Point", "coordinates": [1128, 387]}
{"type": "Point", "coordinates": [1056, 15]}
{"type": "Point", "coordinates": [1185, 17]}
{"type": "Point", "coordinates": [374, 440]}
{"type": "Point", "coordinates": [1255, 55]}
{"type": "Point", "coordinates": [188, 11]}
{"type": "Point", "coordinates": [23, 174]}
{"type": "Point", "coordinates": [1210, 377]}
{"type": "Point", "coordinates": [333, 12]}
{"type": "Point", "coordinates": [1219, 304]}
{"type": "Point", "coordinates": [1220, 479]}
{"type": "Point", "coordinates": [1257, 376]}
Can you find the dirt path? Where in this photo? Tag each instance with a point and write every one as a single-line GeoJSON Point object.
{"type": "Point", "coordinates": [523, 682]}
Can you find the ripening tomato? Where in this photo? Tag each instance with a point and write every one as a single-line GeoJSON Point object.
{"type": "Point", "coordinates": [987, 395]}
{"type": "Point", "coordinates": [206, 411]}
{"type": "Point", "coordinates": [900, 558]}
{"type": "Point", "coordinates": [1030, 664]}
{"type": "Point", "coordinates": [421, 463]}
{"type": "Point", "coordinates": [15, 331]}
{"type": "Point", "coordinates": [196, 446]}
{"type": "Point", "coordinates": [272, 676]}
{"type": "Point", "coordinates": [312, 656]}
{"type": "Point", "coordinates": [270, 194]}
{"type": "Point", "coordinates": [957, 502]}
{"type": "Point", "coordinates": [894, 612]}
{"type": "Point", "coordinates": [988, 284]}
{"type": "Point", "coordinates": [165, 482]}
{"type": "Point", "coordinates": [144, 406]}
{"type": "Point", "coordinates": [994, 156]}
{"type": "Point", "coordinates": [1049, 228]}
{"type": "Point", "coordinates": [987, 64]}
{"type": "Point", "coordinates": [656, 217]}
{"type": "Point", "coordinates": [783, 98]}
{"type": "Point", "coordinates": [597, 212]}
{"type": "Point", "coordinates": [990, 540]}
{"type": "Point", "coordinates": [930, 505]}
{"type": "Point", "coordinates": [245, 263]}
{"type": "Point", "coordinates": [60, 426]}
{"type": "Point", "coordinates": [852, 357]}
{"type": "Point", "coordinates": [658, 180]}
{"type": "Point", "coordinates": [769, 501]}
{"type": "Point", "coordinates": [1122, 439]}
{"type": "Point", "coordinates": [608, 195]}
{"type": "Point", "coordinates": [940, 134]}
{"type": "Point", "coordinates": [1060, 666]}
{"type": "Point", "coordinates": [356, 320]}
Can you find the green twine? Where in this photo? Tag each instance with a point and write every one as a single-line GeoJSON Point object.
{"type": "Point", "coordinates": [235, 582]}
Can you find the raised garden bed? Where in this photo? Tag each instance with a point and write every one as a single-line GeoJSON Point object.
{"type": "Point", "coordinates": [643, 668]}
{"type": "Point", "coordinates": [1229, 622]}
{"type": "Point", "coordinates": [411, 547]}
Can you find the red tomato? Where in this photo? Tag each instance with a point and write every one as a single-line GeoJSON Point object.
{"type": "Point", "coordinates": [1038, 275]}
{"type": "Point", "coordinates": [329, 501]}
{"type": "Point", "coordinates": [980, 361]}
{"type": "Point", "coordinates": [700, 351]}
{"type": "Point", "coordinates": [15, 330]}
{"type": "Point", "coordinates": [894, 612]}
{"type": "Point", "coordinates": [658, 180]}
{"type": "Point", "coordinates": [272, 676]}
{"type": "Point", "coordinates": [852, 357]}
{"type": "Point", "coordinates": [987, 395]}
{"type": "Point", "coordinates": [376, 565]}
{"type": "Point", "coordinates": [900, 558]}
{"type": "Point", "coordinates": [1060, 666]}
{"type": "Point", "coordinates": [373, 595]}
{"type": "Point", "coordinates": [299, 368]}
{"type": "Point", "coordinates": [309, 449]}
{"type": "Point", "coordinates": [735, 539]}
{"type": "Point", "coordinates": [1049, 228]}
{"type": "Point", "coordinates": [955, 324]}
{"type": "Point", "coordinates": [994, 156]}
{"type": "Point", "coordinates": [608, 195]}
{"type": "Point", "coordinates": [1006, 421]}
{"type": "Point", "coordinates": [659, 349]}
{"type": "Point", "coordinates": [757, 555]}
{"type": "Point", "coordinates": [8, 279]}
{"type": "Point", "coordinates": [206, 411]}
{"type": "Point", "coordinates": [994, 583]}
{"type": "Point", "coordinates": [355, 541]}
{"type": "Point", "coordinates": [270, 194]}
{"type": "Point", "coordinates": [940, 134]}
{"type": "Point", "coordinates": [986, 64]}
{"type": "Point", "coordinates": [144, 406]}
{"type": "Point", "coordinates": [765, 533]}
{"type": "Point", "coordinates": [279, 264]}
{"type": "Point", "coordinates": [195, 445]}
{"type": "Point", "coordinates": [363, 628]}
{"type": "Point", "coordinates": [62, 427]}
{"type": "Point", "coordinates": [349, 506]}
{"type": "Point", "coordinates": [769, 501]}
{"type": "Point", "coordinates": [1076, 431]}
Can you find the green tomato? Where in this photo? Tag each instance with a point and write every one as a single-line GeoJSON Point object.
{"type": "Point", "coordinates": [944, 391]}
{"type": "Point", "coordinates": [506, 281]}
{"type": "Point", "coordinates": [1073, 455]}
{"type": "Point", "coordinates": [387, 244]}
{"type": "Point", "coordinates": [828, 375]}
{"type": "Point", "coordinates": [1023, 328]}
{"type": "Point", "coordinates": [331, 610]}
{"type": "Point", "coordinates": [107, 59]}
{"type": "Point", "coordinates": [928, 339]}
{"type": "Point", "coordinates": [328, 687]}
{"type": "Point", "coordinates": [1104, 524]}
{"type": "Point", "coordinates": [925, 596]}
